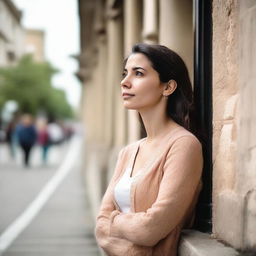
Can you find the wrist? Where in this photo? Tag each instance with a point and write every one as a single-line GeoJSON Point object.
{"type": "Point", "coordinates": [113, 231]}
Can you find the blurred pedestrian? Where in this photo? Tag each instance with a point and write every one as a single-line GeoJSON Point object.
{"type": "Point", "coordinates": [157, 179]}
{"type": "Point", "coordinates": [56, 133]}
{"type": "Point", "coordinates": [11, 137]}
{"type": "Point", "coordinates": [27, 136]}
{"type": "Point", "coordinates": [43, 139]}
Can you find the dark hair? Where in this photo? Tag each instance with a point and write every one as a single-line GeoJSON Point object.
{"type": "Point", "coordinates": [170, 66]}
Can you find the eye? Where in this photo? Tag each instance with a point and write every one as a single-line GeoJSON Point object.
{"type": "Point", "coordinates": [138, 73]}
{"type": "Point", "coordinates": [124, 74]}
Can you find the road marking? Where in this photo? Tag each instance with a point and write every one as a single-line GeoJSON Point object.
{"type": "Point", "coordinates": [12, 232]}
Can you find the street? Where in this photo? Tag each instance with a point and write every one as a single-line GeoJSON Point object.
{"type": "Point", "coordinates": [44, 209]}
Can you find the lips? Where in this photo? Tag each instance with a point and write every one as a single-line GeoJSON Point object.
{"type": "Point", "coordinates": [127, 95]}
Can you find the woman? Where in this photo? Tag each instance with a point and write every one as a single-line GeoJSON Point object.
{"type": "Point", "coordinates": [154, 189]}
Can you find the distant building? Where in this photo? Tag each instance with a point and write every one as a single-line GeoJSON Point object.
{"type": "Point", "coordinates": [34, 43]}
{"type": "Point", "coordinates": [11, 33]}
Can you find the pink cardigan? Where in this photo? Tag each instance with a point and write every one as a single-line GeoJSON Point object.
{"type": "Point", "coordinates": [163, 199]}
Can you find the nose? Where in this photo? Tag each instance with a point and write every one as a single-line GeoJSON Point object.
{"type": "Point", "coordinates": [125, 83]}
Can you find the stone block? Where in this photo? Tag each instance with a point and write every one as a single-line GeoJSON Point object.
{"type": "Point", "coordinates": [230, 108]}
{"type": "Point", "coordinates": [195, 243]}
{"type": "Point", "coordinates": [250, 220]}
{"type": "Point", "coordinates": [224, 164]}
{"type": "Point", "coordinates": [246, 138]}
{"type": "Point", "coordinates": [247, 46]}
{"type": "Point", "coordinates": [228, 218]}
{"type": "Point", "coordinates": [245, 5]}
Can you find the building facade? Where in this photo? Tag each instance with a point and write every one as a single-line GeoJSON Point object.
{"type": "Point", "coordinates": [35, 43]}
{"type": "Point", "coordinates": [11, 33]}
{"type": "Point", "coordinates": [225, 53]}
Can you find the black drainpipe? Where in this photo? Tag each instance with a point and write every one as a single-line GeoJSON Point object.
{"type": "Point", "coordinates": [203, 100]}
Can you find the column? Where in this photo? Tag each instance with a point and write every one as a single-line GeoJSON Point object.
{"type": "Point", "coordinates": [176, 28]}
{"type": "Point", "coordinates": [98, 107]}
{"type": "Point", "coordinates": [132, 35]}
{"type": "Point", "coordinates": [115, 123]}
{"type": "Point", "coordinates": [150, 21]}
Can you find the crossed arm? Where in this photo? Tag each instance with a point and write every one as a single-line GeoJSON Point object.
{"type": "Point", "coordinates": [113, 246]}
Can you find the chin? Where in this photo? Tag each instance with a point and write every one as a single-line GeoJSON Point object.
{"type": "Point", "coordinates": [130, 106]}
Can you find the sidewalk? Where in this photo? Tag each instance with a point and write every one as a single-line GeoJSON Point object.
{"type": "Point", "coordinates": [18, 185]}
{"type": "Point", "coordinates": [63, 227]}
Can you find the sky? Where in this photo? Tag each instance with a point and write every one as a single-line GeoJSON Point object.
{"type": "Point", "coordinates": [59, 20]}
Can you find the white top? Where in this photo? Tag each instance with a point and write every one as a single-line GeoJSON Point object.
{"type": "Point", "coordinates": [122, 191]}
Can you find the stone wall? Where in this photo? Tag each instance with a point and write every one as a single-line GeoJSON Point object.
{"type": "Point", "coordinates": [246, 164]}
{"type": "Point", "coordinates": [234, 179]}
{"type": "Point", "coordinates": [225, 93]}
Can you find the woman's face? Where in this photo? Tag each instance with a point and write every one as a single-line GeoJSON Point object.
{"type": "Point", "coordinates": [141, 86]}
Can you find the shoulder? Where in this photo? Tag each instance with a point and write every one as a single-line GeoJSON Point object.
{"type": "Point", "coordinates": [184, 150]}
{"type": "Point", "coordinates": [181, 142]}
{"type": "Point", "coordinates": [180, 136]}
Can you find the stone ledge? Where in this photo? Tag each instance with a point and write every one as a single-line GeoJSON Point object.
{"type": "Point", "coordinates": [195, 243]}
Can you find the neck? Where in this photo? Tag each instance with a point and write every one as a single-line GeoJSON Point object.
{"type": "Point", "coordinates": [156, 123]}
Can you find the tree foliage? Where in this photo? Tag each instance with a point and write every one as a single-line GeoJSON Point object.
{"type": "Point", "coordinates": [29, 84]}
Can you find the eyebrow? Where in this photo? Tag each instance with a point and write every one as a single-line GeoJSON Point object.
{"type": "Point", "coordinates": [135, 68]}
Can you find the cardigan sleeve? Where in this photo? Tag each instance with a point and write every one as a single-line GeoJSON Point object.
{"type": "Point", "coordinates": [181, 178]}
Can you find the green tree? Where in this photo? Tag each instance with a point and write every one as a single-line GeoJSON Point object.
{"type": "Point", "coordinates": [29, 84]}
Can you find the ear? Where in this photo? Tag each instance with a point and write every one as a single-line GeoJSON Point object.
{"type": "Point", "coordinates": [170, 87]}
